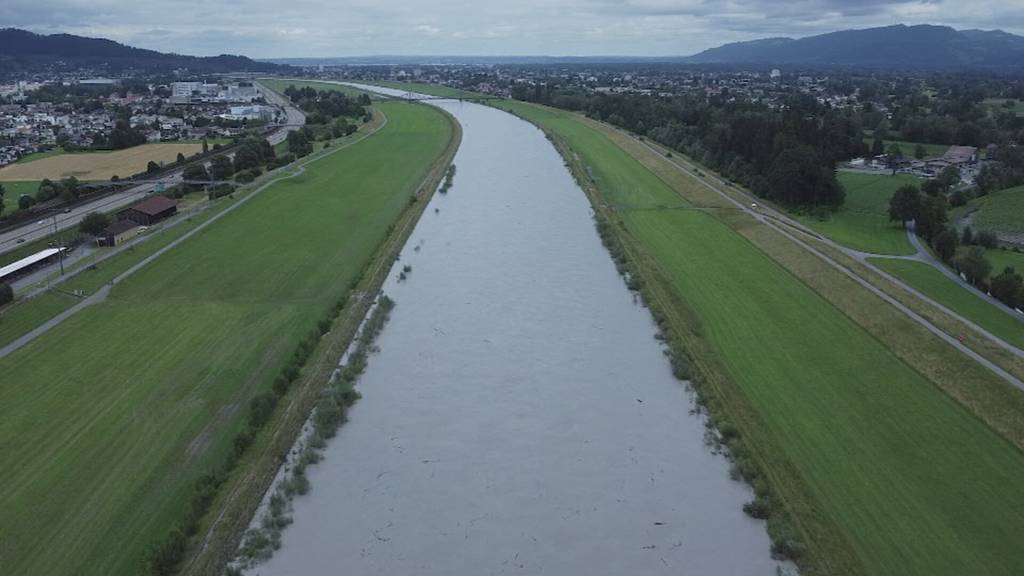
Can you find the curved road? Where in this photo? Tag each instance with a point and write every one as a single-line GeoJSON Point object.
{"type": "Point", "coordinates": [35, 230]}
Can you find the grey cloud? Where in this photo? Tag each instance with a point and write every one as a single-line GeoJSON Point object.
{"type": "Point", "coordinates": [265, 28]}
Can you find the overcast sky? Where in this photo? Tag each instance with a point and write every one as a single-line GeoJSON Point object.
{"type": "Point", "coordinates": [289, 28]}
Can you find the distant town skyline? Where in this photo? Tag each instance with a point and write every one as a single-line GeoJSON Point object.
{"type": "Point", "coordinates": [314, 28]}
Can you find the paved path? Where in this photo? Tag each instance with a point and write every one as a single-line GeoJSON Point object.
{"type": "Point", "coordinates": [785, 226]}
{"type": "Point", "coordinates": [101, 294]}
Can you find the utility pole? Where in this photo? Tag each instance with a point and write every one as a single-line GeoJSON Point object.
{"type": "Point", "coordinates": [60, 249]}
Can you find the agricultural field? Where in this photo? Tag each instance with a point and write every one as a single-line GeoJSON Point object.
{"type": "Point", "coordinates": [97, 165]}
{"type": "Point", "coordinates": [863, 221]}
{"type": "Point", "coordinates": [113, 415]}
{"type": "Point", "coordinates": [884, 453]}
{"type": "Point", "coordinates": [1002, 259]}
{"type": "Point", "coordinates": [1001, 211]}
{"type": "Point", "coordinates": [940, 288]}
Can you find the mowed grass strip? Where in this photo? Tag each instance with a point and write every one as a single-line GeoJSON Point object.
{"type": "Point", "coordinates": [914, 482]}
{"type": "Point", "coordinates": [955, 297]}
{"type": "Point", "coordinates": [112, 416]}
{"type": "Point", "coordinates": [863, 221]}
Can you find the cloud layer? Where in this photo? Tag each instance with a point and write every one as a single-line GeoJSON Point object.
{"type": "Point", "coordinates": [265, 28]}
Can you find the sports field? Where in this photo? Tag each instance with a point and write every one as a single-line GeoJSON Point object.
{"type": "Point", "coordinates": [97, 165]}
{"type": "Point", "coordinates": [863, 221]}
{"type": "Point", "coordinates": [111, 416]}
{"type": "Point", "coordinates": [910, 481]}
{"type": "Point", "coordinates": [955, 297]}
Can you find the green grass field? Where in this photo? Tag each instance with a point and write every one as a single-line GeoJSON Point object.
{"type": "Point", "coordinates": [915, 484]}
{"type": "Point", "coordinates": [863, 221]}
{"type": "Point", "coordinates": [997, 104]}
{"type": "Point", "coordinates": [13, 190]}
{"type": "Point", "coordinates": [280, 84]}
{"type": "Point", "coordinates": [950, 294]}
{"type": "Point", "coordinates": [1002, 259]}
{"type": "Point", "coordinates": [111, 416]}
{"type": "Point", "coordinates": [908, 148]}
{"type": "Point", "coordinates": [1001, 211]}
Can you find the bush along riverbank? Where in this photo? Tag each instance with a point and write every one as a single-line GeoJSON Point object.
{"type": "Point", "coordinates": [449, 177]}
{"type": "Point", "coordinates": [259, 543]}
{"type": "Point", "coordinates": [693, 363]}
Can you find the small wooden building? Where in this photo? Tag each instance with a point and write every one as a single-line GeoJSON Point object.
{"type": "Point", "coordinates": [119, 232]}
{"type": "Point", "coordinates": [151, 210]}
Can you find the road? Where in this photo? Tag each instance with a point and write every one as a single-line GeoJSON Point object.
{"type": "Point", "coordinates": [35, 230]}
{"type": "Point", "coordinates": [788, 227]}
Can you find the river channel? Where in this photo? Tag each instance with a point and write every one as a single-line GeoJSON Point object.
{"type": "Point", "coordinates": [520, 417]}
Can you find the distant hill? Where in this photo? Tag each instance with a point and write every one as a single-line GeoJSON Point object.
{"type": "Point", "coordinates": [23, 51]}
{"type": "Point", "coordinates": [899, 46]}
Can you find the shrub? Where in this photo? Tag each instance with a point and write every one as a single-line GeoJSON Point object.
{"type": "Point", "coordinates": [6, 293]}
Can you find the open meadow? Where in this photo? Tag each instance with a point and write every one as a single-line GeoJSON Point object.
{"type": "Point", "coordinates": [98, 165]}
{"type": "Point", "coordinates": [1001, 211]}
{"type": "Point", "coordinates": [113, 415]}
{"type": "Point", "coordinates": [862, 223]}
{"type": "Point", "coordinates": [871, 458]}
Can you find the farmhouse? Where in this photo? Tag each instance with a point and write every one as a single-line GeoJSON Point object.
{"type": "Point", "coordinates": [961, 154]}
{"type": "Point", "coordinates": [118, 233]}
{"type": "Point", "coordinates": [150, 211]}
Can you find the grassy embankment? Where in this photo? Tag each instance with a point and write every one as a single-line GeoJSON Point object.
{"type": "Point", "coordinates": [863, 221]}
{"type": "Point", "coordinates": [868, 458]}
{"type": "Point", "coordinates": [113, 415]}
{"type": "Point", "coordinates": [937, 286]}
{"type": "Point", "coordinates": [1001, 211]}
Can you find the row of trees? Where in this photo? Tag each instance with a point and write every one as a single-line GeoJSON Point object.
{"type": "Point", "coordinates": [323, 106]}
{"type": "Point", "coordinates": [786, 154]}
{"type": "Point", "coordinates": [929, 215]}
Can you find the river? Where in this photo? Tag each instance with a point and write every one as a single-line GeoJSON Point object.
{"type": "Point", "coordinates": [519, 417]}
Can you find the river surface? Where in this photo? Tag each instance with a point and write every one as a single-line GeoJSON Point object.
{"type": "Point", "coordinates": [519, 417]}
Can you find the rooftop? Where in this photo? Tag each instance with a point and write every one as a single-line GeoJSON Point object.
{"type": "Point", "coordinates": [154, 205]}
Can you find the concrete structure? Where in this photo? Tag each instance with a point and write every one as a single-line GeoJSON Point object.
{"type": "Point", "coordinates": [118, 233]}
{"type": "Point", "coordinates": [27, 263]}
{"type": "Point", "coordinates": [151, 210]}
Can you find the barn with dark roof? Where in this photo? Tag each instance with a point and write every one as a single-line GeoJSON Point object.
{"type": "Point", "coordinates": [151, 210]}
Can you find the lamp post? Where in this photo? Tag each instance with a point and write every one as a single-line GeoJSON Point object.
{"type": "Point", "coordinates": [60, 249]}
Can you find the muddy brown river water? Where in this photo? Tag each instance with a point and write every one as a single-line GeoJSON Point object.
{"type": "Point", "coordinates": [519, 417]}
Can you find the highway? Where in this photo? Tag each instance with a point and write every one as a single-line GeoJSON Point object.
{"type": "Point", "coordinates": [36, 229]}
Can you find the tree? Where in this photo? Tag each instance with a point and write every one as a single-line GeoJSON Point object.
{"type": "Point", "coordinates": [974, 265]}
{"type": "Point", "coordinates": [1008, 288]}
{"type": "Point", "coordinates": [94, 223]}
{"type": "Point", "coordinates": [151, 167]}
{"type": "Point", "coordinates": [895, 151]}
{"type": "Point", "coordinates": [877, 147]}
{"type": "Point", "coordinates": [933, 187]}
{"type": "Point", "coordinates": [950, 176]}
{"type": "Point", "coordinates": [931, 217]}
{"type": "Point", "coordinates": [945, 243]}
{"type": "Point", "coordinates": [221, 168]}
{"type": "Point", "coordinates": [798, 177]}
{"type": "Point", "coordinates": [6, 293]}
{"type": "Point", "coordinates": [986, 239]}
{"type": "Point", "coordinates": [919, 151]}
{"type": "Point", "coordinates": [180, 158]}
{"type": "Point", "coordinates": [904, 204]}
{"type": "Point", "coordinates": [298, 143]}
{"type": "Point", "coordinates": [206, 146]}
{"type": "Point", "coordinates": [196, 172]}
{"type": "Point", "coordinates": [25, 202]}
{"type": "Point", "coordinates": [968, 236]}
